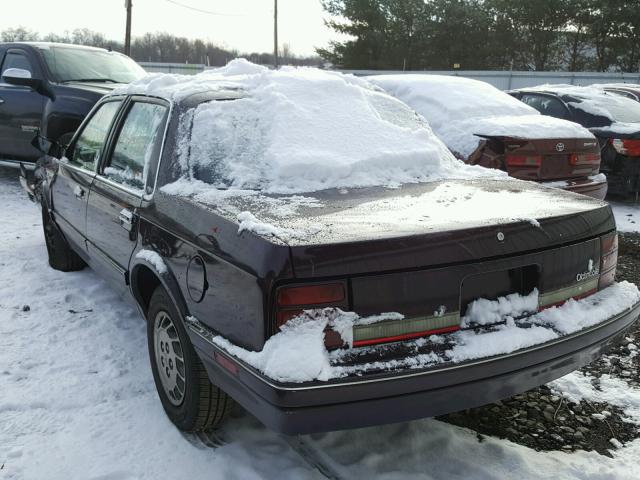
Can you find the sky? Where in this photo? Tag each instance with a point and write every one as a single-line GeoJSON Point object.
{"type": "Point", "coordinates": [246, 25]}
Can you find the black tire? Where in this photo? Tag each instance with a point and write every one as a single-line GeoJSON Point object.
{"type": "Point", "coordinates": [61, 256]}
{"type": "Point", "coordinates": [202, 405]}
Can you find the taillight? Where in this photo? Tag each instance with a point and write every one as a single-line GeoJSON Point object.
{"type": "Point", "coordinates": [291, 301]}
{"type": "Point", "coordinates": [625, 146]}
{"type": "Point", "coordinates": [584, 159]}
{"type": "Point", "coordinates": [310, 295]}
{"type": "Point", "coordinates": [608, 259]}
{"type": "Point", "coordinates": [523, 160]}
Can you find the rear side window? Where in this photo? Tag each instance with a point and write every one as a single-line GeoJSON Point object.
{"type": "Point", "coordinates": [136, 145]}
{"type": "Point", "coordinates": [16, 60]}
{"type": "Point", "coordinates": [85, 152]}
{"type": "Point", "coordinates": [546, 105]}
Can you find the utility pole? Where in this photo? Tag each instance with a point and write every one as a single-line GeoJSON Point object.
{"type": "Point", "coordinates": [127, 35]}
{"type": "Point", "coordinates": [275, 34]}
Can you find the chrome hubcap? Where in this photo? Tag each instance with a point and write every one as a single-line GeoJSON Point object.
{"type": "Point", "coordinates": [169, 358]}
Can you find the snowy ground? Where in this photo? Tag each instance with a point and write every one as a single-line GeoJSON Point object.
{"type": "Point", "coordinates": [77, 399]}
{"type": "Point", "coordinates": [627, 216]}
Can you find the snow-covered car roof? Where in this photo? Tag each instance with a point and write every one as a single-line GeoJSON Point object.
{"type": "Point", "coordinates": [594, 100]}
{"type": "Point", "coordinates": [299, 130]}
{"type": "Point", "coordinates": [459, 109]}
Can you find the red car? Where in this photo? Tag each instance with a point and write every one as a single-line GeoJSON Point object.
{"type": "Point", "coordinates": [484, 126]}
{"type": "Point", "coordinates": [612, 118]}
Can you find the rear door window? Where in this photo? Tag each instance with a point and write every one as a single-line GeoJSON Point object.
{"type": "Point", "coordinates": [137, 144]}
{"type": "Point", "coordinates": [546, 105]}
{"type": "Point", "coordinates": [86, 150]}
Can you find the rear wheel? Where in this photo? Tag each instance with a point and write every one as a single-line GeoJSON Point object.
{"type": "Point", "coordinates": [61, 256]}
{"type": "Point", "coordinates": [190, 400]}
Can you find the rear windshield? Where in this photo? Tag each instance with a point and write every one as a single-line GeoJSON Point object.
{"type": "Point", "coordinates": [232, 144]}
{"type": "Point", "coordinates": [76, 64]}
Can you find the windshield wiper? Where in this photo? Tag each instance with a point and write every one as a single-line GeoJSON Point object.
{"type": "Point", "coordinates": [105, 80]}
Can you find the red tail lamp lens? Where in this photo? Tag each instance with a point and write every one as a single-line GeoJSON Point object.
{"type": "Point", "coordinates": [291, 301]}
{"type": "Point", "coordinates": [584, 159]}
{"type": "Point", "coordinates": [524, 160]}
{"type": "Point", "coordinates": [608, 259]}
{"type": "Point", "coordinates": [633, 147]}
{"type": "Point", "coordinates": [311, 295]}
{"type": "Point", "coordinates": [626, 146]}
{"type": "Point", "coordinates": [609, 243]}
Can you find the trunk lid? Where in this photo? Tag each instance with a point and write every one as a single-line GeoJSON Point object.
{"type": "Point", "coordinates": [372, 230]}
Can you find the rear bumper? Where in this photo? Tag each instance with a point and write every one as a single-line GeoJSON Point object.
{"type": "Point", "coordinates": [585, 186]}
{"type": "Point", "coordinates": [359, 402]}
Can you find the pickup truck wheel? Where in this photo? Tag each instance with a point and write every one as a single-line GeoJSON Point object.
{"type": "Point", "coordinates": [61, 256]}
{"type": "Point", "coordinates": [189, 398]}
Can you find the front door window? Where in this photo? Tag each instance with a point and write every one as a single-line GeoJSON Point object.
{"type": "Point", "coordinates": [85, 152]}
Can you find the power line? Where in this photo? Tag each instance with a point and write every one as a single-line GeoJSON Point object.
{"type": "Point", "coordinates": [207, 12]}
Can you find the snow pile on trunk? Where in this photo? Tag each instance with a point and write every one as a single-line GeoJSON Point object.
{"type": "Point", "coordinates": [300, 130]}
{"type": "Point", "coordinates": [486, 312]}
{"type": "Point", "coordinates": [463, 205]}
{"type": "Point", "coordinates": [459, 109]}
{"type": "Point", "coordinates": [249, 223]}
{"type": "Point", "coordinates": [297, 353]}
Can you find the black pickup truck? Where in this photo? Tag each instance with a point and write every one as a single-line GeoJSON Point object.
{"type": "Point", "coordinates": [50, 88]}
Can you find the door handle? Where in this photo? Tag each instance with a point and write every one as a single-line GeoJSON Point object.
{"type": "Point", "coordinates": [126, 219]}
{"type": "Point", "coordinates": [78, 192]}
{"type": "Point", "coordinates": [1, 101]}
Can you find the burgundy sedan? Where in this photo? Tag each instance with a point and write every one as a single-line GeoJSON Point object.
{"type": "Point", "coordinates": [482, 125]}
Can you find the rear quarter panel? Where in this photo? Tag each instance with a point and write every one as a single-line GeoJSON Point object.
{"type": "Point", "coordinates": [241, 269]}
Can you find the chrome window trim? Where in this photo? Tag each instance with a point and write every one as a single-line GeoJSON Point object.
{"type": "Point", "coordinates": [9, 163]}
{"type": "Point", "coordinates": [67, 164]}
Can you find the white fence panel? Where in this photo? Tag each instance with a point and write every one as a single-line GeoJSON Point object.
{"type": "Point", "coordinates": [502, 80]}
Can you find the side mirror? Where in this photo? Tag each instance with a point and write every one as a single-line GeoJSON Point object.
{"type": "Point", "coordinates": [23, 78]}
{"type": "Point", "coordinates": [19, 76]}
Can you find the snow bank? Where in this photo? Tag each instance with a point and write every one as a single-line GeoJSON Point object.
{"type": "Point", "coordinates": [297, 353]}
{"type": "Point", "coordinates": [627, 216]}
{"type": "Point", "coordinates": [300, 130]}
{"type": "Point", "coordinates": [458, 109]}
{"type": "Point", "coordinates": [577, 386]}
